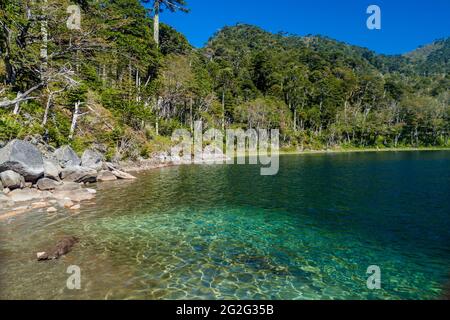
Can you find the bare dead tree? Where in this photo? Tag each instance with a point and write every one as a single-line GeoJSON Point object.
{"type": "Point", "coordinates": [49, 103]}
{"type": "Point", "coordinates": [21, 97]}
{"type": "Point", "coordinates": [76, 115]}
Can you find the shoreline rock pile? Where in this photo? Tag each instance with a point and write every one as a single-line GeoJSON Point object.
{"type": "Point", "coordinates": [48, 178]}
{"type": "Point", "coordinates": [52, 179]}
{"type": "Point", "coordinates": [176, 157]}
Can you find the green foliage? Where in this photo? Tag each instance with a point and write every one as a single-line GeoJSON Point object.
{"type": "Point", "coordinates": [77, 94]}
{"type": "Point", "coordinates": [263, 113]}
{"type": "Point", "coordinates": [173, 42]}
{"type": "Point", "coordinates": [337, 94]}
{"type": "Point", "coordinates": [16, 126]}
{"type": "Point", "coordinates": [319, 92]}
{"type": "Point", "coordinates": [9, 128]}
{"type": "Point", "coordinates": [154, 145]}
{"type": "Point", "coordinates": [433, 58]}
{"type": "Point", "coordinates": [79, 144]}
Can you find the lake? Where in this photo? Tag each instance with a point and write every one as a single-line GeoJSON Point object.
{"type": "Point", "coordinates": [225, 232]}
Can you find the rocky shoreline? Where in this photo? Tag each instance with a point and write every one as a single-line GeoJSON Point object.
{"type": "Point", "coordinates": [34, 175]}
{"type": "Point", "coordinates": [33, 179]}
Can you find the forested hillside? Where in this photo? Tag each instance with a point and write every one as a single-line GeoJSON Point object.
{"type": "Point", "coordinates": [433, 58]}
{"type": "Point", "coordinates": [109, 85]}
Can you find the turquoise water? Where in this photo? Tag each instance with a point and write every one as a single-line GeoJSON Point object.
{"type": "Point", "coordinates": [225, 232]}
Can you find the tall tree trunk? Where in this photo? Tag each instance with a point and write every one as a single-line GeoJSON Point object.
{"type": "Point", "coordinates": [77, 61]}
{"type": "Point", "coordinates": [75, 116]}
{"type": "Point", "coordinates": [223, 110]}
{"type": "Point", "coordinates": [47, 109]}
{"type": "Point", "coordinates": [104, 74]}
{"type": "Point", "coordinates": [48, 106]}
{"type": "Point", "coordinates": [17, 105]}
{"type": "Point", "coordinates": [192, 115]}
{"type": "Point", "coordinates": [158, 108]}
{"type": "Point", "coordinates": [156, 23]}
{"type": "Point", "coordinates": [44, 44]}
{"type": "Point", "coordinates": [295, 120]}
{"type": "Point", "coordinates": [130, 81]}
{"type": "Point", "coordinates": [138, 86]}
{"type": "Point", "coordinates": [10, 70]}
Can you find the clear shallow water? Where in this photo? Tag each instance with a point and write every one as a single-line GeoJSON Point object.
{"type": "Point", "coordinates": [225, 232]}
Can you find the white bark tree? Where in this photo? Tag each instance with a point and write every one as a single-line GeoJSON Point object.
{"type": "Point", "coordinates": [76, 115]}
{"type": "Point", "coordinates": [158, 6]}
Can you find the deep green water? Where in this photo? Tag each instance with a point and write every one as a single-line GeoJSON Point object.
{"type": "Point", "coordinates": [225, 232]}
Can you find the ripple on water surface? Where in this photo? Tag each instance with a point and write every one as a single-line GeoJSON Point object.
{"type": "Point", "coordinates": [224, 232]}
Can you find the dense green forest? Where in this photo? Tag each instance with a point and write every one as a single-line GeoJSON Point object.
{"type": "Point", "coordinates": [112, 86]}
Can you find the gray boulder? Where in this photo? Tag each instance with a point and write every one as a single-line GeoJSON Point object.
{"type": "Point", "coordinates": [23, 158]}
{"type": "Point", "coordinates": [38, 141]}
{"type": "Point", "coordinates": [12, 180]}
{"type": "Point", "coordinates": [47, 184]}
{"type": "Point", "coordinates": [92, 159]}
{"type": "Point", "coordinates": [52, 170]}
{"type": "Point", "coordinates": [67, 157]}
{"type": "Point", "coordinates": [79, 174]}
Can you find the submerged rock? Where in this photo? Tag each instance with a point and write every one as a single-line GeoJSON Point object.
{"type": "Point", "coordinates": [22, 195]}
{"type": "Point", "coordinates": [74, 195]}
{"type": "Point", "coordinates": [14, 212]}
{"type": "Point", "coordinates": [62, 248]}
{"type": "Point", "coordinates": [12, 180]}
{"type": "Point", "coordinates": [92, 191]}
{"type": "Point", "coordinates": [67, 157]}
{"type": "Point", "coordinates": [39, 205]}
{"type": "Point", "coordinates": [24, 158]}
{"type": "Point", "coordinates": [65, 203]}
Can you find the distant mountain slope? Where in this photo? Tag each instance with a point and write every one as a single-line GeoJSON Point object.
{"type": "Point", "coordinates": [432, 58]}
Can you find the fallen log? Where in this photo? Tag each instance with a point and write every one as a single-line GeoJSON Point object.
{"type": "Point", "coordinates": [62, 248]}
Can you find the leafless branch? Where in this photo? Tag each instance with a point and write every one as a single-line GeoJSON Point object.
{"type": "Point", "coordinates": [21, 97]}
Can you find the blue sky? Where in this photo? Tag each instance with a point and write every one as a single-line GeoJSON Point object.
{"type": "Point", "coordinates": [406, 24]}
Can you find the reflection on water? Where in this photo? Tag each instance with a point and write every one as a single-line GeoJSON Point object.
{"type": "Point", "coordinates": [224, 232]}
